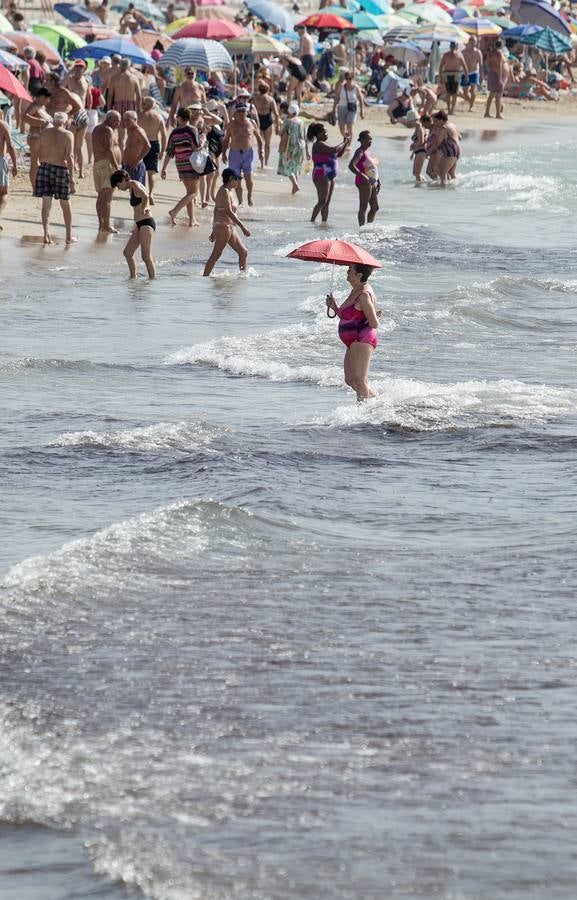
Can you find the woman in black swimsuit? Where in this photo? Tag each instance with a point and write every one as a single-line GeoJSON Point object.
{"type": "Point", "coordinates": [144, 224]}
{"type": "Point", "coordinates": [268, 116]}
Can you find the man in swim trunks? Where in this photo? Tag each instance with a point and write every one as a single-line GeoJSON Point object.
{"type": "Point", "coordinates": [55, 176]}
{"type": "Point", "coordinates": [452, 65]}
{"type": "Point", "coordinates": [77, 84]}
{"type": "Point", "coordinates": [153, 126]}
{"type": "Point", "coordinates": [474, 59]}
{"type": "Point", "coordinates": [6, 150]}
{"type": "Point", "coordinates": [124, 94]}
{"type": "Point", "coordinates": [495, 80]}
{"type": "Point", "coordinates": [306, 49]}
{"type": "Point", "coordinates": [136, 147]}
{"type": "Point", "coordinates": [237, 149]}
{"type": "Point", "coordinates": [190, 91]}
{"type": "Point", "coordinates": [107, 159]}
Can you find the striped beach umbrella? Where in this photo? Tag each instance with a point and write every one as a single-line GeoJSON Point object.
{"type": "Point", "coordinates": [549, 41]}
{"type": "Point", "coordinates": [480, 27]}
{"type": "Point", "coordinates": [256, 45]}
{"type": "Point", "coordinates": [399, 33]}
{"type": "Point", "coordinates": [199, 54]}
{"type": "Point", "coordinates": [425, 12]}
{"type": "Point", "coordinates": [439, 34]}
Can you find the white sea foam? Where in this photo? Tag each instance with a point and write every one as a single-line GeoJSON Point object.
{"type": "Point", "coordinates": [181, 436]}
{"type": "Point", "coordinates": [424, 406]}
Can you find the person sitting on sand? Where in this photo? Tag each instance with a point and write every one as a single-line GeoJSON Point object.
{"type": "Point", "coordinates": [144, 224]}
{"type": "Point", "coordinates": [55, 175]}
{"type": "Point", "coordinates": [402, 107]}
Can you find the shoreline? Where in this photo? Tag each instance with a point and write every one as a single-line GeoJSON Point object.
{"type": "Point", "coordinates": [22, 231]}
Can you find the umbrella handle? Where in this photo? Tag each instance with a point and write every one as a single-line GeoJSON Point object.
{"type": "Point", "coordinates": [331, 313]}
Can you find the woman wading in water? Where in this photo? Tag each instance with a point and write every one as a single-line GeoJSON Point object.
{"type": "Point", "coordinates": [225, 218]}
{"type": "Point", "coordinates": [324, 167]}
{"type": "Point", "coordinates": [359, 320]}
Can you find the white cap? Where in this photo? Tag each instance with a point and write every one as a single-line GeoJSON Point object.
{"type": "Point", "coordinates": [293, 108]}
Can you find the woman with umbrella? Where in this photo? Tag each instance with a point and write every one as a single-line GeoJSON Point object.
{"type": "Point", "coordinates": [324, 159]}
{"type": "Point", "coordinates": [359, 320]}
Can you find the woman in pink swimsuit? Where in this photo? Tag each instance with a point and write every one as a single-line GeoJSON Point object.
{"type": "Point", "coordinates": [365, 168]}
{"type": "Point", "coordinates": [359, 320]}
{"type": "Point", "coordinates": [225, 218]}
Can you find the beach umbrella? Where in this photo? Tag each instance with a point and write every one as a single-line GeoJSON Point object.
{"type": "Point", "coordinates": [202, 55]}
{"type": "Point", "coordinates": [74, 12]}
{"type": "Point", "coordinates": [121, 45]}
{"type": "Point", "coordinates": [178, 24]}
{"type": "Point", "coordinates": [11, 61]}
{"type": "Point", "coordinates": [548, 41]}
{"type": "Point", "coordinates": [10, 85]}
{"type": "Point", "coordinates": [210, 2]}
{"type": "Point", "coordinates": [439, 33]}
{"type": "Point", "coordinates": [148, 9]}
{"type": "Point", "coordinates": [147, 40]}
{"type": "Point", "coordinates": [407, 52]}
{"type": "Point", "coordinates": [339, 253]}
{"type": "Point", "coordinates": [425, 12]}
{"type": "Point", "coordinates": [535, 12]}
{"type": "Point", "coordinates": [399, 33]}
{"type": "Point", "coordinates": [291, 37]}
{"type": "Point", "coordinates": [444, 4]}
{"type": "Point", "coordinates": [5, 44]}
{"type": "Point", "coordinates": [271, 13]}
{"type": "Point", "coordinates": [521, 31]}
{"type": "Point", "coordinates": [5, 24]}
{"type": "Point", "coordinates": [96, 32]}
{"type": "Point", "coordinates": [326, 21]}
{"type": "Point", "coordinates": [479, 27]}
{"type": "Point", "coordinates": [255, 45]}
{"type": "Point", "coordinates": [21, 39]}
{"type": "Point", "coordinates": [502, 22]}
{"type": "Point", "coordinates": [61, 37]}
{"type": "Point", "coordinates": [211, 29]}
{"type": "Point", "coordinates": [376, 7]}
{"type": "Point", "coordinates": [364, 21]}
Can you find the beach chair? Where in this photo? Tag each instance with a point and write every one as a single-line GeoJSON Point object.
{"type": "Point", "coordinates": [20, 146]}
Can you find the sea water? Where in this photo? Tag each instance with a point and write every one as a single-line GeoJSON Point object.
{"type": "Point", "coordinates": [259, 641]}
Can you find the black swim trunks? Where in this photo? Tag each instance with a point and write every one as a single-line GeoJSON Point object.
{"type": "Point", "coordinates": [452, 84]}
{"type": "Point", "coordinates": [151, 159]}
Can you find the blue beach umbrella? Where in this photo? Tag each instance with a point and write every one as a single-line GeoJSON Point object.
{"type": "Point", "coordinates": [521, 31]}
{"type": "Point", "coordinates": [199, 54]}
{"type": "Point", "coordinates": [75, 13]}
{"type": "Point", "coordinates": [271, 13]}
{"type": "Point", "coordinates": [539, 12]}
{"type": "Point", "coordinates": [147, 8]}
{"type": "Point", "coordinates": [376, 7]}
{"type": "Point", "coordinates": [548, 41]}
{"type": "Point", "coordinates": [120, 45]}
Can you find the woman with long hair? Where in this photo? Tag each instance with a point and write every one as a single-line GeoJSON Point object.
{"type": "Point", "coordinates": [359, 320]}
{"type": "Point", "coordinates": [224, 221]}
{"type": "Point", "coordinates": [324, 158]}
{"type": "Point", "coordinates": [182, 141]}
{"type": "Point", "coordinates": [364, 166]}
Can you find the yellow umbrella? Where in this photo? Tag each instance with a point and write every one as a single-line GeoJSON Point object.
{"type": "Point", "coordinates": [179, 23]}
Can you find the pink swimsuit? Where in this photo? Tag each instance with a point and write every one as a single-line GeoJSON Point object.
{"type": "Point", "coordinates": [353, 325]}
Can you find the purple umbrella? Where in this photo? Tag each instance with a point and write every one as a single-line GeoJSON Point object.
{"type": "Point", "coordinates": [539, 12]}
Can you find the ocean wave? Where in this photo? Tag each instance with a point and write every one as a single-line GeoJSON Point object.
{"type": "Point", "coordinates": [423, 406]}
{"type": "Point", "coordinates": [181, 436]}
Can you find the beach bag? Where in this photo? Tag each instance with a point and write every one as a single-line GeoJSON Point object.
{"type": "Point", "coordinates": [351, 107]}
{"type": "Point", "coordinates": [198, 159]}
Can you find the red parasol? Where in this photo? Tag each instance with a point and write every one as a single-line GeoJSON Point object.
{"type": "Point", "coordinates": [328, 21]}
{"type": "Point", "coordinates": [340, 253]}
{"type": "Point", "coordinates": [11, 85]}
{"type": "Point", "coordinates": [210, 29]}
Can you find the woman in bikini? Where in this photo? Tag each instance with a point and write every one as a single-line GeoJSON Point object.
{"type": "Point", "coordinates": [268, 117]}
{"type": "Point", "coordinates": [364, 167]}
{"type": "Point", "coordinates": [144, 224]}
{"type": "Point", "coordinates": [448, 148]}
{"type": "Point", "coordinates": [225, 218]}
{"type": "Point", "coordinates": [419, 147]}
{"type": "Point", "coordinates": [324, 159]}
{"type": "Point", "coordinates": [359, 320]}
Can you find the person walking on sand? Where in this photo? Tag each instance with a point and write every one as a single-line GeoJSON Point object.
{"type": "Point", "coordinates": [225, 218]}
{"type": "Point", "coordinates": [154, 128]}
{"type": "Point", "coordinates": [293, 146]}
{"type": "Point", "coordinates": [237, 149]}
{"type": "Point", "coordinates": [6, 152]}
{"type": "Point", "coordinates": [472, 80]}
{"type": "Point", "coordinates": [135, 149]}
{"type": "Point", "coordinates": [36, 117]}
{"type": "Point", "coordinates": [347, 103]}
{"type": "Point", "coordinates": [364, 167]}
{"type": "Point", "coordinates": [55, 175]}
{"type": "Point", "coordinates": [144, 224]}
{"type": "Point", "coordinates": [124, 94]}
{"type": "Point", "coordinates": [325, 169]}
{"type": "Point", "coordinates": [359, 320]}
{"type": "Point", "coordinates": [452, 66]}
{"type": "Point", "coordinates": [268, 117]}
{"type": "Point", "coordinates": [190, 91]}
{"type": "Point", "coordinates": [182, 141]}
{"type": "Point", "coordinates": [107, 159]}
{"type": "Point", "coordinates": [495, 63]}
